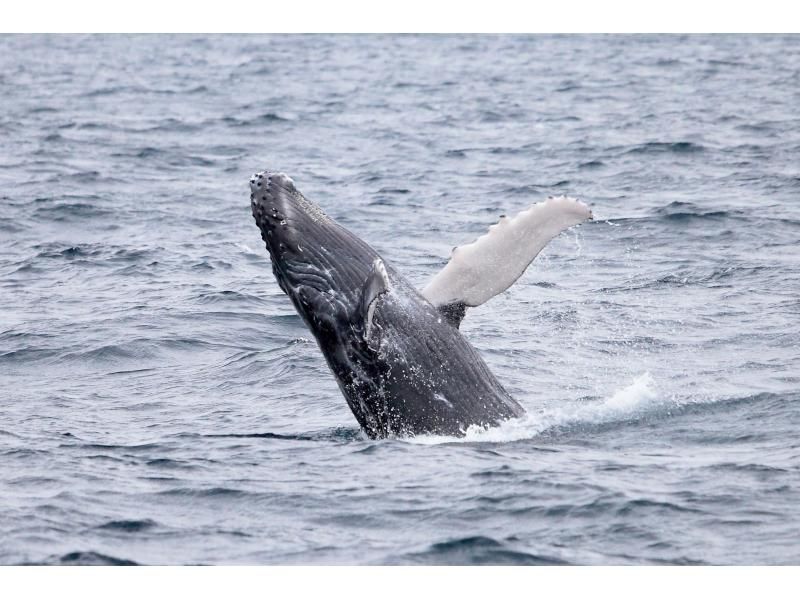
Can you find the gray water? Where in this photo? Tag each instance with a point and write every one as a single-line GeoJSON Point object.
{"type": "Point", "coordinates": [162, 403]}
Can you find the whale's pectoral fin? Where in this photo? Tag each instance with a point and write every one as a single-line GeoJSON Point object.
{"type": "Point", "coordinates": [488, 266]}
{"type": "Point", "coordinates": [377, 284]}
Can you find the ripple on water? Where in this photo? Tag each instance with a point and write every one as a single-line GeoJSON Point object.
{"type": "Point", "coordinates": [477, 550]}
{"type": "Point", "coordinates": [89, 558]}
{"type": "Point", "coordinates": [128, 526]}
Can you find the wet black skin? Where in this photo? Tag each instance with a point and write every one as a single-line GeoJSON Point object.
{"type": "Point", "coordinates": [415, 373]}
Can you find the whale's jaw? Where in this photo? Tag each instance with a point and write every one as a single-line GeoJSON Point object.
{"type": "Point", "coordinates": [322, 267]}
{"type": "Point", "coordinates": [317, 262]}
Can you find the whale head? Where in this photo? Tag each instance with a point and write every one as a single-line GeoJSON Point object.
{"type": "Point", "coordinates": [402, 366]}
{"type": "Point", "coordinates": [317, 262]}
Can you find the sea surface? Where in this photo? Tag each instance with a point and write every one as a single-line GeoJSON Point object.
{"type": "Point", "coordinates": [162, 403]}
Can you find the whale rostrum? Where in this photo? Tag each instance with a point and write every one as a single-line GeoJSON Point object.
{"type": "Point", "coordinates": [397, 354]}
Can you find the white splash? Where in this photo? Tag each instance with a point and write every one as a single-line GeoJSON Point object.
{"type": "Point", "coordinates": [631, 402]}
{"type": "Point", "coordinates": [489, 265]}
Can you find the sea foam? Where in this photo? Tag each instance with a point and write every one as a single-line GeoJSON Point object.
{"type": "Point", "coordinates": [633, 401]}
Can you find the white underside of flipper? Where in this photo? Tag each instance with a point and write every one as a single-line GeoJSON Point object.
{"type": "Point", "coordinates": [488, 266]}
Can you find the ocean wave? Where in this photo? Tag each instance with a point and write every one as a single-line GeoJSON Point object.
{"type": "Point", "coordinates": [229, 296]}
{"type": "Point", "coordinates": [681, 210]}
{"type": "Point", "coordinates": [337, 434]}
{"type": "Point", "coordinates": [628, 404]}
{"type": "Point", "coordinates": [72, 211]}
{"type": "Point", "coordinates": [665, 147]}
{"type": "Point", "coordinates": [128, 525]}
{"type": "Point", "coordinates": [89, 558]}
{"type": "Point", "coordinates": [703, 277]}
{"type": "Point", "coordinates": [220, 493]}
{"type": "Point", "coordinates": [477, 550]}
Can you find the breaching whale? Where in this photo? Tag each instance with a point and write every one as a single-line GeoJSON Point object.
{"type": "Point", "coordinates": [396, 352]}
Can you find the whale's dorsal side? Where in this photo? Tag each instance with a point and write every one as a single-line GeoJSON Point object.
{"type": "Point", "coordinates": [488, 266]}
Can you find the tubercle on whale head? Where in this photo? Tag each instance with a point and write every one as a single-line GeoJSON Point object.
{"type": "Point", "coordinates": [274, 203]}
{"type": "Point", "coordinates": [308, 248]}
{"type": "Point", "coordinates": [264, 201]}
{"type": "Point", "coordinates": [295, 231]}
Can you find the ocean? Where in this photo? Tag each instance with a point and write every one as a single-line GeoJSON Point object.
{"type": "Point", "coordinates": [162, 403]}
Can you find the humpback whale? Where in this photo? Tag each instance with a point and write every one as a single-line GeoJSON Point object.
{"type": "Point", "coordinates": [397, 353]}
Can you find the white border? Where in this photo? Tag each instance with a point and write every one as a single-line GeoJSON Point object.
{"type": "Point", "coordinates": [400, 582]}
{"type": "Point", "coordinates": [422, 16]}
{"type": "Point", "coordinates": [291, 16]}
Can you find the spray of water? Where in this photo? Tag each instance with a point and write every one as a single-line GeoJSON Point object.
{"type": "Point", "coordinates": [633, 401]}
